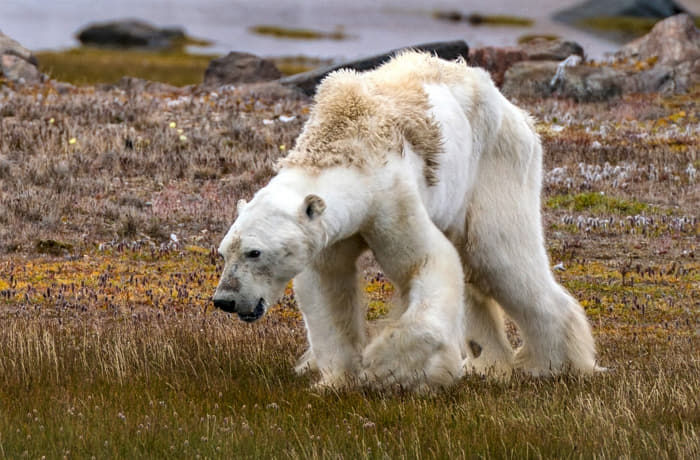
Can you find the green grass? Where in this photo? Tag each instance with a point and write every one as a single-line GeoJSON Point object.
{"type": "Point", "coordinates": [597, 202]}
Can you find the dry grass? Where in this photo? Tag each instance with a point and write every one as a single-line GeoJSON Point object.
{"type": "Point", "coordinates": [118, 354]}
{"type": "Point", "coordinates": [99, 164]}
{"type": "Point", "coordinates": [109, 347]}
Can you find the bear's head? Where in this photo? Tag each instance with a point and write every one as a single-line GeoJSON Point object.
{"type": "Point", "coordinates": [273, 239]}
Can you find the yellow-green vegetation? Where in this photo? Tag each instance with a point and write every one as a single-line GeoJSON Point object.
{"type": "Point", "coordinates": [379, 293]}
{"type": "Point", "coordinates": [299, 34]}
{"type": "Point", "coordinates": [87, 65]}
{"type": "Point", "coordinates": [112, 204]}
{"type": "Point", "coordinates": [483, 19]}
{"type": "Point", "coordinates": [290, 65]}
{"type": "Point", "coordinates": [527, 38]}
{"type": "Point", "coordinates": [626, 25]}
{"type": "Point", "coordinates": [597, 202]}
{"type": "Point", "coordinates": [499, 20]}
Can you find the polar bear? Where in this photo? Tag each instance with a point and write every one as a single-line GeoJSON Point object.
{"type": "Point", "coordinates": [425, 163]}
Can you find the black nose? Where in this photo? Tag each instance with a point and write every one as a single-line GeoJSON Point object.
{"type": "Point", "coordinates": [225, 305]}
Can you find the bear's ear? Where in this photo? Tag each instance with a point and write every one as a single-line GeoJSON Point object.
{"type": "Point", "coordinates": [313, 206]}
{"type": "Point", "coordinates": [239, 206]}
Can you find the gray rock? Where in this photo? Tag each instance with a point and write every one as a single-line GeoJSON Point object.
{"type": "Point", "coordinates": [529, 79]}
{"type": "Point", "coordinates": [18, 70]}
{"type": "Point", "coordinates": [532, 79]}
{"type": "Point", "coordinates": [541, 49]}
{"type": "Point", "coordinates": [130, 33]}
{"type": "Point", "coordinates": [17, 63]}
{"type": "Point", "coordinates": [673, 49]}
{"type": "Point", "coordinates": [10, 46]}
{"type": "Point", "coordinates": [658, 9]}
{"type": "Point", "coordinates": [307, 81]}
{"type": "Point", "coordinates": [237, 68]}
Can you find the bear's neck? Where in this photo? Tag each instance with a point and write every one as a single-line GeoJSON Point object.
{"type": "Point", "coordinates": [344, 190]}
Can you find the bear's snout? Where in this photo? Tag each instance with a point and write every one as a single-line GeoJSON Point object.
{"type": "Point", "coordinates": [228, 306]}
{"type": "Point", "coordinates": [256, 314]}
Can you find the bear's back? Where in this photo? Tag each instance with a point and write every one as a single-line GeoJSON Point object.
{"type": "Point", "coordinates": [359, 118]}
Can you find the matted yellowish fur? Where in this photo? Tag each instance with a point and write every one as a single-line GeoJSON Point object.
{"type": "Point", "coordinates": [359, 118]}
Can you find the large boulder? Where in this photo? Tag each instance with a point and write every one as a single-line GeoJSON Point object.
{"type": "Point", "coordinates": [306, 82]}
{"type": "Point", "coordinates": [237, 68]}
{"type": "Point", "coordinates": [17, 63]}
{"type": "Point", "coordinates": [536, 79]}
{"type": "Point", "coordinates": [130, 33]}
{"type": "Point", "coordinates": [671, 41]}
{"type": "Point", "coordinates": [672, 50]}
{"type": "Point", "coordinates": [497, 60]}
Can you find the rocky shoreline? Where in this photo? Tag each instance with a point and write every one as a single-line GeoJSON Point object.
{"type": "Point", "coordinates": [666, 60]}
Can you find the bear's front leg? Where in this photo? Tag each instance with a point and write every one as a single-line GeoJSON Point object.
{"type": "Point", "coordinates": [329, 298]}
{"type": "Point", "coordinates": [411, 355]}
{"type": "Point", "coordinates": [421, 349]}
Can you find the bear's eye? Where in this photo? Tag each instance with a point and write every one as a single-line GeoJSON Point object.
{"type": "Point", "coordinates": [254, 254]}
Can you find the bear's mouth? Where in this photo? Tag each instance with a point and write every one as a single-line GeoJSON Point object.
{"type": "Point", "coordinates": [255, 314]}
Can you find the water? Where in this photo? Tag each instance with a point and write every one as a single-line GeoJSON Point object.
{"type": "Point", "coordinates": [373, 26]}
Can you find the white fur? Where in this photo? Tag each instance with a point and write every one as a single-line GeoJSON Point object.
{"type": "Point", "coordinates": [447, 200]}
{"type": "Point", "coordinates": [460, 251]}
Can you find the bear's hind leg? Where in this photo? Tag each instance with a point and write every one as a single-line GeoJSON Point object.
{"type": "Point", "coordinates": [506, 255]}
{"type": "Point", "coordinates": [557, 337]}
{"type": "Point", "coordinates": [555, 331]}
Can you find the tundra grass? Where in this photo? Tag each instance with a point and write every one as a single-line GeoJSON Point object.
{"type": "Point", "coordinates": [112, 202]}
{"type": "Point", "coordinates": [119, 354]}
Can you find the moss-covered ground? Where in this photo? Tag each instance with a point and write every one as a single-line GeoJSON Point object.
{"type": "Point", "coordinates": [622, 27]}
{"type": "Point", "coordinates": [177, 66]}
